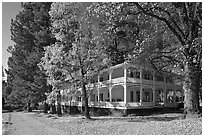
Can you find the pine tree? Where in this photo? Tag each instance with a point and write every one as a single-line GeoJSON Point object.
{"type": "Point", "coordinates": [30, 32]}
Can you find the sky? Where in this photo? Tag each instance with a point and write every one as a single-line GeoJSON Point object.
{"type": "Point", "coordinates": [9, 11]}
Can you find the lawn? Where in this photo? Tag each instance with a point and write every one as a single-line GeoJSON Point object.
{"type": "Point", "coordinates": [157, 124]}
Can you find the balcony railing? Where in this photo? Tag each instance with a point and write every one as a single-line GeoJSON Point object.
{"type": "Point", "coordinates": [133, 80]}
{"type": "Point", "coordinates": [117, 80]}
{"type": "Point", "coordinates": [129, 80]}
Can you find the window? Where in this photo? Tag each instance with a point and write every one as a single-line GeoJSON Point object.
{"type": "Point", "coordinates": [131, 96]}
{"type": "Point", "coordinates": [147, 96]}
{"type": "Point", "coordinates": [101, 96]}
{"type": "Point", "coordinates": [131, 74]}
{"type": "Point", "coordinates": [138, 96]}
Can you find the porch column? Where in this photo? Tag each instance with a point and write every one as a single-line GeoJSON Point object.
{"type": "Point", "coordinates": [165, 91]}
{"type": "Point", "coordinates": [110, 85]}
{"type": "Point", "coordinates": [141, 84]}
{"type": "Point", "coordinates": [125, 83]}
{"type": "Point", "coordinates": [98, 88]}
{"type": "Point", "coordinates": [154, 97]}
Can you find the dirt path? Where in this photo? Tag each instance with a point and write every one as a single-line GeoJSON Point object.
{"type": "Point", "coordinates": [22, 124]}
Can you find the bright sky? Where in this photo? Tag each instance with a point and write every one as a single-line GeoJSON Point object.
{"type": "Point", "coordinates": [9, 11]}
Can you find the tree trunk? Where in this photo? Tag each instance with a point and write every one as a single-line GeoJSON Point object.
{"type": "Point", "coordinates": [85, 99]}
{"type": "Point", "coordinates": [29, 107]}
{"type": "Point", "coordinates": [59, 110]}
{"type": "Point", "coordinates": [45, 108]}
{"type": "Point", "coordinates": [53, 108]}
{"type": "Point", "coordinates": [191, 89]}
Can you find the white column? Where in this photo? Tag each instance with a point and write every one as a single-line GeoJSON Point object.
{"type": "Point", "coordinates": [154, 88]}
{"type": "Point", "coordinates": [141, 87]}
{"type": "Point", "coordinates": [125, 83]}
{"type": "Point", "coordinates": [110, 85]}
{"type": "Point", "coordinates": [98, 88]}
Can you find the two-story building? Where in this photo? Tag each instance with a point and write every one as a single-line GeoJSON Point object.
{"type": "Point", "coordinates": [130, 86]}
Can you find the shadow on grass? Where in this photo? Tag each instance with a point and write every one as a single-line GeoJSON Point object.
{"type": "Point", "coordinates": [137, 119]}
{"type": "Point", "coordinates": [148, 119]}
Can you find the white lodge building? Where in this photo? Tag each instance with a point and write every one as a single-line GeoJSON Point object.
{"type": "Point", "coordinates": [129, 86]}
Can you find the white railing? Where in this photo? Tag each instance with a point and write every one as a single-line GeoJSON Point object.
{"type": "Point", "coordinates": [133, 80]}
{"type": "Point", "coordinates": [129, 79]}
{"type": "Point", "coordinates": [117, 80]}
{"type": "Point", "coordinates": [133, 104]}
{"type": "Point", "coordinates": [121, 104]}
{"type": "Point", "coordinates": [130, 105]}
{"type": "Point", "coordinates": [107, 104]}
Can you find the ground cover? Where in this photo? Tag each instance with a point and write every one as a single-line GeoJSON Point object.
{"type": "Point", "coordinates": [156, 124]}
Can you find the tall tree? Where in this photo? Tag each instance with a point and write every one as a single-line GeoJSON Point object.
{"type": "Point", "coordinates": [75, 56]}
{"type": "Point", "coordinates": [30, 32]}
{"type": "Point", "coordinates": [184, 20]}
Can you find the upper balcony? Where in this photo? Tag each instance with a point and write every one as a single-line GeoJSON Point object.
{"type": "Point", "coordinates": [130, 74]}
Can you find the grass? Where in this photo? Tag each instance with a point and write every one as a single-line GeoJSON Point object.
{"type": "Point", "coordinates": [156, 124]}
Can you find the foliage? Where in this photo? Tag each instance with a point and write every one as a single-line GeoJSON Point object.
{"type": "Point", "coordinates": [30, 33]}
{"type": "Point", "coordinates": [75, 56]}
{"type": "Point", "coordinates": [117, 32]}
{"type": "Point", "coordinates": [184, 20]}
{"type": "Point", "coordinates": [140, 39]}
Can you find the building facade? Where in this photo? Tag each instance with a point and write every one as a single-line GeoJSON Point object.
{"type": "Point", "coordinates": [130, 86]}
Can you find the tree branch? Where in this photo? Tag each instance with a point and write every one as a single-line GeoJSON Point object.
{"type": "Point", "coordinates": [163, 20]}
{"type": "Point", "coordinates": [174, 22]}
